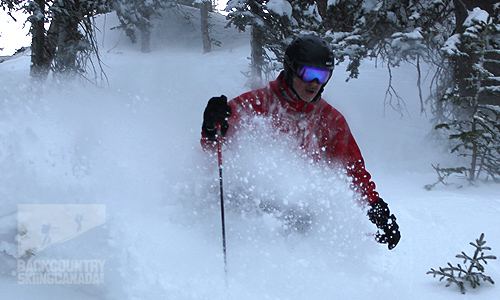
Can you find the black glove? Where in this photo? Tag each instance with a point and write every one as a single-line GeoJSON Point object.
{"type": "Point", "coordinates": [380, 215]}
{"type": "Point", "coordinates": [217, 111]}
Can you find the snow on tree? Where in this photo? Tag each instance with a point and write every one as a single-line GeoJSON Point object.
{"type": "Point", "coordinates": [272, 26]}
{"type": "Point", "coordinates": [75, 40]}
{"type": "Point", "coordinates": [473, 122]}
{"type": "Point", "coordinates": [137, 18]}
{"type": "Point", "coordinates": [66, 45]}
{"type": "Point", "coordinates": [459, 42]}
{"type": "Point", "coordinates": [136, 15]}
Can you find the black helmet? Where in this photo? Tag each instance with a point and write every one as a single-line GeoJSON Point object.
{"type": "Point", "coordinates": [308, 50]}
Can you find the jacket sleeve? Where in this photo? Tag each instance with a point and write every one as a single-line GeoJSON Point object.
{"type": "Point", "coordinates": [361, 180]}
{"type": "Point", "coordinates": [341, 147]}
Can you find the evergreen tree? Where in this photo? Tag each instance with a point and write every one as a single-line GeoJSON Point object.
{"type": "Point", "coordinates": [474, 121]}
{"type": "Point", "coordinates": [465, 58]}
{"type": "Point", "coordinates": [10, 5]}
{"type": "Point", "coordinates": [307, 15]}
{"type": "Point", "coordinates": [136, 18]}
{"type": "Point", "coordinates": [69, 40]}
{"type": "Point", "coordinates": [272, 28]}
{"type": "Point", "coordinates": [343, 25]}
{"type": "Point", "coordinates": [76, 33]}
{"type": "Point", "coordinates": [390, 30]}
{"type": "Point", "coordinates": [43, 43]}
{"type": "Point", "coordinates": [472, 270]}
{"type": "Point", "coordinates": [136, 15]}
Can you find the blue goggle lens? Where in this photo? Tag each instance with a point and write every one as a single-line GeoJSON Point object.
{"type": "Point", "coordinates": [308, 74]}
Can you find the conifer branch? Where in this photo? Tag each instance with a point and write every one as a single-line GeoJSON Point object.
{"type": "Point", "coordinates": [473, 273]}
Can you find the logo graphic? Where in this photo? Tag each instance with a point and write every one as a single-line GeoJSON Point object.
{"type": "Point", "coordinates": [60, 271]}
{"type": "Point", "coordinates": [43, 225]}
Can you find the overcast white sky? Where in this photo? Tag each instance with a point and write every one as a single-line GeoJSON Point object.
{"type": "Point", "coordinates": [12, 34]}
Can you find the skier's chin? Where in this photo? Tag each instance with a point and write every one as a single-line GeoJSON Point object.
{"type": "Point", "coordinates": [309, 95]}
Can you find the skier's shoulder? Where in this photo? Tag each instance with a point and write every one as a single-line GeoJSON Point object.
{"type": "Point", "coordinates": [254, 97]}
{"type": "Point", "coordinates": [327, 110]}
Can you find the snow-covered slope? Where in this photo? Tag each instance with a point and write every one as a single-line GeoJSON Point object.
{"type": "Point", "coordinates": [133, 146]}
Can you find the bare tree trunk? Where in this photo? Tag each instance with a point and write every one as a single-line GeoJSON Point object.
{"type": "Point", "coordinates": [43, 44]}
{"type": "Point", "coordinates": [257, 52]}
{"type": "Point", "coordinates": [322, 7]}
{"type": "Point", "coordinates": [51, 42]}
{"type": "Point", "coordinates": [205, 7]}
{"type": "Point", "coordinates": [474, 157]}
{"type": "Point", "coordinates": [460, 15]}
{"type": "Point", "coordinates": [145, 29]}
{"type": "Point", "coordinates": [257, 56]}
{"type": "Point", "coordinates": [67, 47]}
{"type": "Point", "coordinates": [146, 40]}
{"type": "Point", "coordinates": [37, 41]}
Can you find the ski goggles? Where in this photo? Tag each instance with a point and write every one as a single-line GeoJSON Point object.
{"type": "Point", "coordinates": [308, 74]}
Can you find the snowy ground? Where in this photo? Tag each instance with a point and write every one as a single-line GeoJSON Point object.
{"type": "Point", "coordinates": [134, 147]}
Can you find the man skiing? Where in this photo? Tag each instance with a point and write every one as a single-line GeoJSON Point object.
{"type": "Point", "coordinates": [294, 105]}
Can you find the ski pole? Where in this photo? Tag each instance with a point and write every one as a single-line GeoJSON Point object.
{"type": "Point", "coordinates": [219, 154]}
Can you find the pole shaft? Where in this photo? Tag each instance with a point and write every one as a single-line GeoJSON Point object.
{"type": "Point", "coordinates": [219, 154]}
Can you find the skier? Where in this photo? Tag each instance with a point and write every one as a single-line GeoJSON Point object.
{"type": "Point", "coordinates": [293, 102]}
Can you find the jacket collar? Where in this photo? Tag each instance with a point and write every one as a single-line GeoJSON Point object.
{"type": "Point", "coordinates": [288, 98]}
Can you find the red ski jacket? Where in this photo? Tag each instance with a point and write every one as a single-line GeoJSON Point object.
{"type": "Point", "coordinates": [321, 129]}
